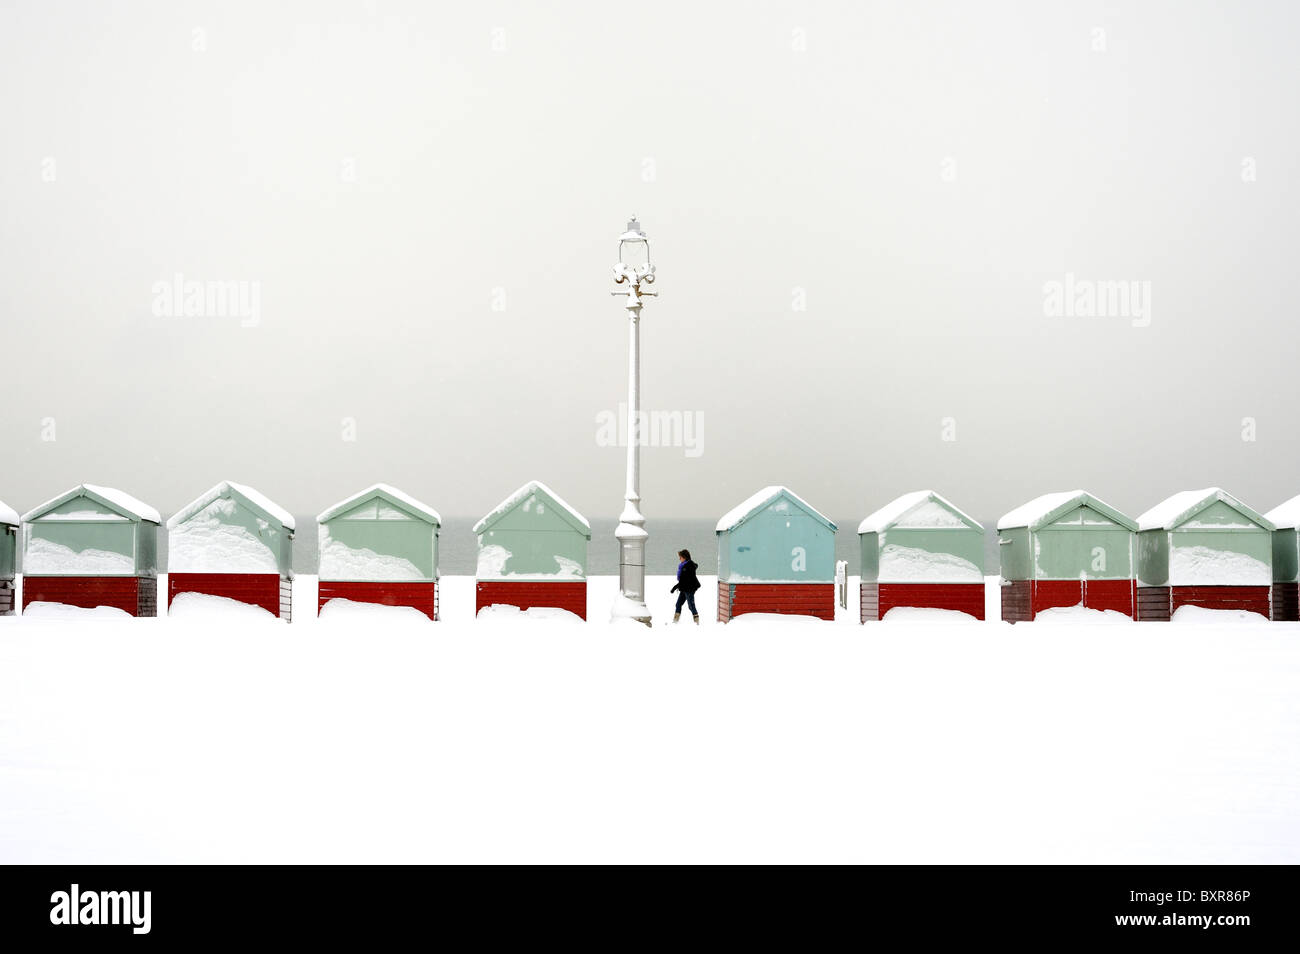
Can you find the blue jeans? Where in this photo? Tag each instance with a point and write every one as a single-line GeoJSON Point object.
{"type": "Point", "coordinates": [688, 599]}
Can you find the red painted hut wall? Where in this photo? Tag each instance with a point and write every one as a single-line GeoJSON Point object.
{"type": "Point", "coordinates": [420, 596]}
{"type": "Point", "coordinates": [563, 594]}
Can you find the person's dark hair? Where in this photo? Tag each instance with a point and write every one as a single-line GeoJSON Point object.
{"type": "Point", "coordinates": [684, 554]}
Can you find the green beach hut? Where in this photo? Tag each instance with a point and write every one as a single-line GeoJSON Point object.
{"type": "Point", "coordinates": [1066, 549]}
{"type": "Point", "coordinates": [233, 542]}
{"type": "Point", "coordinates": [379, 546]}
{"type": "Point", "coordinates": [92, 546]}
{"type": "Point", "coordinates": [920, 551]}
{"type": "Point", "coordinates": [776, 554]}
{"type": "Point", "coordinates": [532, 552]}
{"type": "Point", "coordinates": [1203, 548]}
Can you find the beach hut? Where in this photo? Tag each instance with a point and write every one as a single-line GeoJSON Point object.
{"type": "Point", "coordinates": [92, 546]}
{"type": "Point", "coordinates": [1286, 560]}
{"type": "Point", "coordinates": [1066, 549]}
{"type": "Point", "coordinates": [379, 546]}
{"type": "Point", "coordinates": [232, 542]}
{"type": "Point", "coordinates": [9, 524]}
{"type": "Point", "coordinates": [532, 551]}
{"type": "Point", "coordinates": [776, 554]}
{"type": "Point", "coordinates": [1203, 548]}
{"type": "Point", "coordinates": [921, 551]}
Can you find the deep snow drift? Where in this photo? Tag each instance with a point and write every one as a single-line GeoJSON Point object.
{"type": "Point", "coordinates": [222, 735]}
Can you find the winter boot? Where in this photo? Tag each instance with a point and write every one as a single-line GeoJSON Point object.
{"type": "Point", "coordinates": [697, 619]}
{"type": "Point", "coordinates": [677, 617]}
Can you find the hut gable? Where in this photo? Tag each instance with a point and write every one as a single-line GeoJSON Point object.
{"type": "Point", "coordinates": [533, 535]}
{"type": "Point", "coordinates": [380, 502]}
{"type": "Point", "coordinates": [1200, 538]}
{"type": "Point", "coordinates": [91, 531]}
{"type": "Point", "coordinates": [775, 499]}
{"type": "Point", "coordinates": [775, 536]}
{"type": "Point", "coordinates": [921, 538]}
{"type": "Point", "coordinates": [242, 495]}
{"type": "Point", "coordinates": [380, 534]}
{"type": "Point", "coordinates": [1067, 508]}
{"type": "Point", "coordinates": [1208, 509]}
{"type": "Point", "coordinates": [919, 510]}
{"type": "Point", "coordinates": [231, 528]}
{"type": "Point", "coordinates": [92, 502]}
{"type": "Point", "coordinates": [534, 506]}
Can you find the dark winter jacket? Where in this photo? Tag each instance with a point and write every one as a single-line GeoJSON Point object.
{"type": "Point", "coordinates": [686, 578]}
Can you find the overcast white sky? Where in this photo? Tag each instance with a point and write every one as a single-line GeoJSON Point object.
{"type": "Point", "coordinates": [919, 170]}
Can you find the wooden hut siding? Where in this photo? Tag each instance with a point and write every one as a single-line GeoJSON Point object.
{"type": "Point", "coordinates": [877, 599]}
{"type": "Point", "coordinates": [380, 546]}
{"type": "Point", "coordinates": [267, 590]}
{"type": "Point", "coordinates": [131, 594]}
{"type": "Point", "coordinates": [92, 546]}
{"type": "Point", "coordinates": [233, 542]}
{"type": "Point", "coordinates": [526, 594]}
{"type": "Point", "coordinates": [419, 596]}
{"type": "Point", "coordinates": [1066, 549]}
{"type": "Point", "coordinates": [1204, 548]}
{"type": "Point", "coordinates": [532, 552]}
{"type": "Point", "coordinates": [776, 554]}
{"type": "Point", "coordinates": [1023, 600]}
{"type": "Point", "coordinates": [787, 599]}
{"type": "Point", "coordinates": [1285, 601]}
{"type": "Point", "coordinates": [919, 550]}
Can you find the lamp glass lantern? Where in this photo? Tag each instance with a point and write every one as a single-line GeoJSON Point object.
{"type": "Point", "coordinates": [634, 249]}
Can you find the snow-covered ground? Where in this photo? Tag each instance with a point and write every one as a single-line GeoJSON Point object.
{"type": "Point", "coordinates": [378, 736]}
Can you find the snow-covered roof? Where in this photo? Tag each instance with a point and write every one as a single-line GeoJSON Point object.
{"type": "Point", "coordinates": [268, 508]}
{"type": "Point", "coordinates": [1185, 504]}
{"type": "Point", "coordinates": [1043, 510]}
{"type": "Point", "coordinates": [533, 486]}
{"type": "Point", "coordinates": [1285, 516]}
{"type": "Point", "coordinates": [8, 515]}
{"type": "Point", "coordinates": [123, 503]}
{"type": "Point", "coordinates": [900, 507]}
{"type": "Point", "coordinates": [751, 505]}
{"type": "Point", "coordinates": [381, 490]}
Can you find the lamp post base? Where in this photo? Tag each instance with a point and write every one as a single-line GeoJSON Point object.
{"type": "Point", "coordinates": [625, 608]}
{"type": "Point", "coordinates": [630, 603]}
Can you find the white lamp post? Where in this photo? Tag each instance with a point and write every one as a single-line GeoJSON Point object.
{"type": "Point", "coordinates": [633, 270]}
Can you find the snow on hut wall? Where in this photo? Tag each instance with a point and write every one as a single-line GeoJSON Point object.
{"type": "Point", "coordinates": [921, 538]}
{"type": "Point", "coordinates": [1204, 538]}
{"type": "Point", "coordinates": [775, 537]}
{"type": "Point", "coordinates": [231, 528]}
{"type": "Point", "coordinates": [91, 531]}
{"type": "Point", "coordinates": [379, 535]}
{"type": "Point", "coordinates": [533, 535]}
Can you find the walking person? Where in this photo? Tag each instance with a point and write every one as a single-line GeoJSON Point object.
{"type": "Point", "coordinates": [686, 585]}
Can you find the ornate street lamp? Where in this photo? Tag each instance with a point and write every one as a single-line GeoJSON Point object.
{"type": "Point", "coordinates": [634, 269]}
